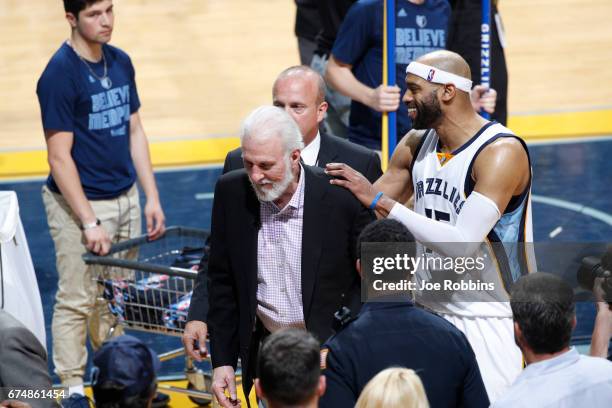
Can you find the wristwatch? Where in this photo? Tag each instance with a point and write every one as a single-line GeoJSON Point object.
{"type": "Point", "coordinates": [91, 225]}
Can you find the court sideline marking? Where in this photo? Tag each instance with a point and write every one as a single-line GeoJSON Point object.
{"type": "Point", "coordinates": [15, 163]}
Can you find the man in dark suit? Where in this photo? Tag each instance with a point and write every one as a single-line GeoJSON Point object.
{"type": "Point", "coordinates": [23, 360]}
{"type": "Point", "coordinates": [301, 92]}
{"type": "Point", "coordinates": [282, 251]}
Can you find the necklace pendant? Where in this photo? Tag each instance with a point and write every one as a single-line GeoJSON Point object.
{"type": "Point", "coordinates": [106, 82]}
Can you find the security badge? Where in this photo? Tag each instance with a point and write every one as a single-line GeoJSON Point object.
{"type": "Point", "coordinates": [324, 353]}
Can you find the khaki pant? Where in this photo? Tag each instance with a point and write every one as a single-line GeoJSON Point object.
{"type": "Point", "coordinates": [77, 306]}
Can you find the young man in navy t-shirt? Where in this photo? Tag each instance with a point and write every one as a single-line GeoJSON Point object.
{"type": "Point", "coordinates": [96, 148]}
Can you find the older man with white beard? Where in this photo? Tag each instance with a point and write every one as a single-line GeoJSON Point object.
{"type": "Point", "coordinates": [282, 251]}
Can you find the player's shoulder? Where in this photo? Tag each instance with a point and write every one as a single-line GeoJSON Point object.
{"type": "Point", "coordinates": [414, 138]}
{"type": "Point", "coordinates": [504, 142]}
{"type": "Point", "coordinates": [505, 156]}
{"type": "Point", "coordinates": [496, 139]}
{"type": "Point", "coordinates": [408, 148]}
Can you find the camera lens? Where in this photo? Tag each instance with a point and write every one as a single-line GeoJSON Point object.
{"type": "Point", "coordinates": [588, 272]}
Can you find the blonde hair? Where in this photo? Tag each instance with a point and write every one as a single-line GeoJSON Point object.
{"type": "Point", "coordinates": [394, 388]}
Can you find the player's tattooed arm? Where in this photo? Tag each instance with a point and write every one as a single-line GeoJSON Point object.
{"type": "Point", "coordinates": [396, 183]}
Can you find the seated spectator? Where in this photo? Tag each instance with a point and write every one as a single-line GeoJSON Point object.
{"type": "Point", "coordinates": [23, 361]}
{"type": "Point", "coordinates": [394, 388]}
{"type": "Point", "coordinates": [397, 333]}
{"type": "Point", "coordinates": [124, 374]}
{"type": "Point", "coordinates": [288, 370]}
{"type": "Point", "coordinates": [556, 375]}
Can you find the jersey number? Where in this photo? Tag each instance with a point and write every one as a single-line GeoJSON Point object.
{"type": "Point", "coordinates": [439, 215]}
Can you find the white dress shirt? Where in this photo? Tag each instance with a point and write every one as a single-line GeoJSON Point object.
{"type": "Point", "coordinates": [310, 153]}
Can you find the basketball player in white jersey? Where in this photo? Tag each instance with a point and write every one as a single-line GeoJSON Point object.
{"type": "Point", "coordinates": [471, 182]}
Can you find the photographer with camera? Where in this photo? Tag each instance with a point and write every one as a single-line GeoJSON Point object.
{"type": "Point", "coordinates": [596, 275]}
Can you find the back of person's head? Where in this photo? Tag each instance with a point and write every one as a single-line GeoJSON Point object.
{"type": "Point", "coordinates": [543, 308]}
{"type": "Point", "coordinates": [394, 388]}
{"type": "Point", "coordinates": [124, 374]}
{"type": "Point", "coordinates": [76, 6]}
{"type": "Point", "coordinates": [385, 230]}
{"type": "Point", "coordinates": [288, 369]}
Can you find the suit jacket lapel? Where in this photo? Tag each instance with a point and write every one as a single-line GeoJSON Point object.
{"type": "Point", "coordinates": [251, 230]}
{"type": "Point", "coordinates": [327, 151]}
{"type": "Point", "coordinates": [315, 210]}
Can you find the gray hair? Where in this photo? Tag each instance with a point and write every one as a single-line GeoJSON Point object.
{"type": "Point", "coordinates": [268, 121]}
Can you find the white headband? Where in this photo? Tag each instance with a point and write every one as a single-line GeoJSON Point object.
{"type": "Point", "coordinates": [438, 76]}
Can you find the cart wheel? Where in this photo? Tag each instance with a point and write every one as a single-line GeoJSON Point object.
{"type": "Point", "coordinates": [198, 401]}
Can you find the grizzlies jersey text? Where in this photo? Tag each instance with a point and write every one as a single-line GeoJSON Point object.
{"type": "Point", "coordinates": [442, 183]}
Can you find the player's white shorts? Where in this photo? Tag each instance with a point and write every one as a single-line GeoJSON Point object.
{"type": "Point", "coordinates": [492, 339]}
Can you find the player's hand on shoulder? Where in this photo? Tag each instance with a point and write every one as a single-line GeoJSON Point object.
{"type": "Point", "coordinates": [345, 176]}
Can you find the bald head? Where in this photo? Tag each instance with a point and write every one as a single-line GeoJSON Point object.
{"type": "Point", "coordinates": [447, 61]}
{"type": "Point", "coordinates": [303, 73]}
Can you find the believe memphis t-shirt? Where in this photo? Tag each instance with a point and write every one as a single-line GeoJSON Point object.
{"type": "Point", "coordinates": [72, 99]}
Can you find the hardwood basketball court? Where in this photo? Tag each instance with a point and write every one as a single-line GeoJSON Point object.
{"type": "Point", "coordinates": [202, 65]}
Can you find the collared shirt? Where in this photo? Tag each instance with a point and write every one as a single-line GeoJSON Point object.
{"type": "Point", "coordinates": [279, 262]}
{"type": "Point", "coordinates": [310, 153]}
{"type": "Point", "coordinates": [568, 380]}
